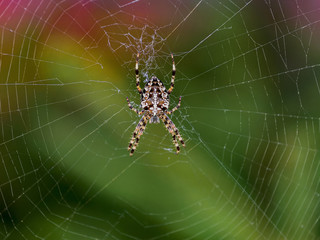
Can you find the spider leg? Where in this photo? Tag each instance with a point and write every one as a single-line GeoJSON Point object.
{"type": "Point", "coordinates": [173, 75]}
{"type": "Point", "coordinates": [173, 130]}
{"type": "Point", "coordinates": [137, 75]}
{"type": "Point", "coordinates": [175, 108]}
{"type": "Point", "coordinates": [132, 108]}
{"type": "Point", "coordinates": [138, 133]}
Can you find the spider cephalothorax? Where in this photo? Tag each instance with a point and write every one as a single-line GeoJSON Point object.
{"type": "Point", "coordinates": [154, 104]}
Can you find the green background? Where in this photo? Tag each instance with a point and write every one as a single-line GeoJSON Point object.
{"type": "Point", "coordinates": [248, 74]}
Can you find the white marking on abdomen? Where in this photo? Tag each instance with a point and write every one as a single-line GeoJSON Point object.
{"type": "Point", "coordinates": [154, 103]}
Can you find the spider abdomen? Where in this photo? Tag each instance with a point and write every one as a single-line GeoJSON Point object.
{"type": "Point", "coordinates": [155, 98]}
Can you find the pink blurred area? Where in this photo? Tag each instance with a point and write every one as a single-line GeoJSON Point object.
{"type": "Point", "coordinates": [83, 18]}
{"type": "Point", "coordinates": [47, 17]}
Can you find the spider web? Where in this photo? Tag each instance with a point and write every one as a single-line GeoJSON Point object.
{"type": "Point", "coordinates": [248, 73]}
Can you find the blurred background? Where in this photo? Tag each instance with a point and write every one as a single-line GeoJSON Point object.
{"type": "Point", "coordinates": [249, 75]}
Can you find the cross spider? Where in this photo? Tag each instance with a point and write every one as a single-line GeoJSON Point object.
{"type": "Point", "coordinates": [155, 104]}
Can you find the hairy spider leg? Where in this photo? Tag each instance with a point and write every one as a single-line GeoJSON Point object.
{"type": "Point", "coordinates": [173, 75]}
{"type": "Point", "coordinates": [138, 133]}
{"type": "Point", "coordinates": [133, 109]}
{"type": "Point", "coordinates": [173, 130]}
{"type": "Point", "coordinates": [137, 75]}
{"type": "Point", "coordinates": [169, 127]}
{"type": "Point", "coordinates": [175, 108]}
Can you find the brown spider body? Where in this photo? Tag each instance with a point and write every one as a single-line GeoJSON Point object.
{"type": "Point", "coordinates": [154, 104]}
{"type": "Point", "coordinates": [155, 99]}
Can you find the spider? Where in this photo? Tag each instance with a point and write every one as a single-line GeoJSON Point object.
{"type": "Point", "coordinates": [154, 104]}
